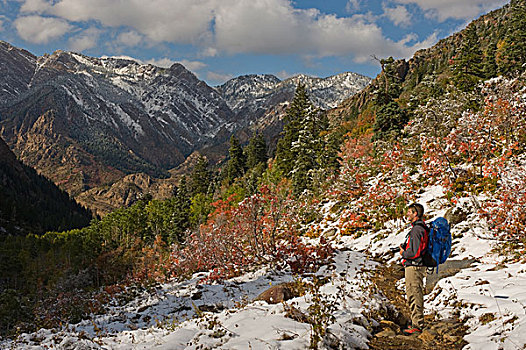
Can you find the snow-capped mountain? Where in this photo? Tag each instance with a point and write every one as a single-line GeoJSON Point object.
{"type": "Point", "coordinates": [254, 95]}
{"type": "Point", "coordinates": [85, 121]}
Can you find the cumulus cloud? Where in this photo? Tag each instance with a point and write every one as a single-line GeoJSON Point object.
{"type": "Point", "coordinates": [193, 65]}
{"type": "Point", "coordinates": [161, 20]}
{"type": "Point", "coordinates": [35, 6]}
{"type": "Point", "coordinates": [87, 39]}
{"type": "Point", "coordinates": [352, 5]}
{"type": "Point", "coordinates": [284, 74]}
{"type": "Point", "coordinates": [41, 30]}
{"type": "Point", "coordinates": [398, 15]}
{"type": "Point", "coordinates": [238, 26]}
{"type": "Point", "coordinates": [444, 9]}
{"type": "Point", "coordinates": [161, 62]}
{"type": "Point", "coordinates": [129, 38]}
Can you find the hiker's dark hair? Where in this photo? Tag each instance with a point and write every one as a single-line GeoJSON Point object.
{"type": "Point", "coordinates": [419, 208]}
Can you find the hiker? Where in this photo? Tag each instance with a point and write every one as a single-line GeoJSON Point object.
{"type": "Point", "coordinates": [412, 251]}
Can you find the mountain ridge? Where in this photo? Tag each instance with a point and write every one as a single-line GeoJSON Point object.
{"type": "Point", "coordinates": [112, 116]}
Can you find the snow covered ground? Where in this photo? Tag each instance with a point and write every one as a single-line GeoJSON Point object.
{"type": "Point", "coordinates": [490, 296]}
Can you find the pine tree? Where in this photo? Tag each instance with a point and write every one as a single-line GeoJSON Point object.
{"type": "Point", "coordinates": [302, 147]}
{"type": "Point", "coordinates": [390, 85]}
{"type": "Point", "coordinates": [298, 111]}
{"type": "Point", "coordinates": [308, 150]}
{"type": "Point", "coordinates": [180, 220]}
{"type": "Point", "coordinates": [256, 151]}
{"type": "Point", "coordinates": [390, 118]}
{"type": "Point", "coordinates": [236, 164]}
{"type": "Point", "coordinates": [330, 156]}
{"type": "Point", "coordinates": [200, 177]}
{"type": "Point", "coordinates": [490, 64]}
{"type": "Point", "coordinates": [468, 68]}
{"type": "Point", "coordinates": [511, 51]}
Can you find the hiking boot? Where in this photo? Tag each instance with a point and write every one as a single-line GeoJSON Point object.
{"type": "Point", "coordinates": [411, 330]}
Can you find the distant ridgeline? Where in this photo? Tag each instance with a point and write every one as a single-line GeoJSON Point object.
{"type": "Point", "coordinates": [30, 203]}
{"type": "Point", "coordinates": [492, 45]}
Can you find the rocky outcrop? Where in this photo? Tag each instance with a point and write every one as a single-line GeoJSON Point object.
{"type": "Point", "coordinates": [278, 294]}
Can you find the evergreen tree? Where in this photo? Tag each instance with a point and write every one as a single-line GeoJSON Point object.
{"type": "Point", "coordinates": [308, 150]}
{"type": "Point", "coordinates": [389, 118]}
{"type": "Point", "coordinates": [468, 68]}
{"type": "Point", "coordinates": [330, 156]}
{"type": "Point", "coordinates": [511, 51]}
{"type": "Point", "coordinates": [298, 110]}
{"type": "Point", "coordinates": [490, 63]}
{"type": "Point", "coordinates": [390, 86]}
{"type": "Point", "coordinates": [256, 151]}
{"type": "Point", "coordinates": [236, 164]}
{"type": "Point", "coordinates": [302, 147]}
{"type": "Point", "coordinates": [200, 177]}
{"type": "Point", "coordinates": [180, 220]}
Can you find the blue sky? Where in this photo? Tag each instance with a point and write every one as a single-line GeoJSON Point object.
{"type": "Point", "coordinates": [221, 39]}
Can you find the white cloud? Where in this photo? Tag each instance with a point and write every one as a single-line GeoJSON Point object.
{"type": "Point", "coordinates": [124, 57]}
{"type": "Point", "coordinates": [187, 21]}
{"type": "Point", "coordinates": [35, 6]}
{"type": "Point", "coordinates": [193, 65]}
{"type": "Point", "coordinates": [237, 26]}
{"type": "Point", "coordinates": [85, 40]}
{"type": "Point", "coordinates": [1, 23]}
{"type": "Point", "coordinates": [444, 9]}
{"type": "Point", "coordinates": [284, 74]}
{"type": "Point", "coordinates": [352, 5]}
{"type": "Point", "coordinates": [41, 30]}
{"type": "Point", "coordinates": [398, 15]}
{"type": "Point", "coordinates": [160, 62]}
{"type": "Point", "coordinates": [209, 52]}
{"type": "Point", "coordinates": [129, 38]}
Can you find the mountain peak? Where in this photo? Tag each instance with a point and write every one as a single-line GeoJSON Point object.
{"type": "Point", "coordinates": [118, 113]}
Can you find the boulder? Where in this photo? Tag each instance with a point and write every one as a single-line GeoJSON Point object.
{"type": "Point", "coordinates": [386, 333]}
{"type": "Point", "coordinates": [456, 215]}
{"type": "Point", "coordinates": [427, 336]}
{"type": "Point", "coordinates": [277, 294]}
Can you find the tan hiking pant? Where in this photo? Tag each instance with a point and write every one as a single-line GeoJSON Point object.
{"type": "Point", "coordinates": [414, 289]}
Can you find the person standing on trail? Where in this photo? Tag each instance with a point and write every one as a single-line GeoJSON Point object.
{"type": "Point", "coordinates": [412, 251]}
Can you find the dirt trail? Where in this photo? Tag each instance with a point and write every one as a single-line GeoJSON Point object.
{"type": "Point", "coordinates": [443, 334]}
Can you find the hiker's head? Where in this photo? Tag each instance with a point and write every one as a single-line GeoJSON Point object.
{"type": "Point", "coordinates": [415, 212]}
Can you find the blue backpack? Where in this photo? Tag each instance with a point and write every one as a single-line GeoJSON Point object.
{"type": "Point", "coordinates": [439, 244]}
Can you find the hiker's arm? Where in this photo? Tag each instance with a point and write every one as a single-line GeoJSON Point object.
{"type": "Point", "coordinates": [415, 237]}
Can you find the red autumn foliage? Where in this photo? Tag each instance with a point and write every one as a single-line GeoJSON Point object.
{"type": "Point", "coordinates": [373, 182]}
{"type": "Point", "coordinates": [505, 211]}
{"type": "Point", "coordinates": [261, 229]}
{"type": "Point", "coordinates": [483, 142]}
{"type": "Point", "coordinates": [487, 145]}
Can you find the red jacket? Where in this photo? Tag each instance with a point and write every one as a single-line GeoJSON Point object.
{"type": "Point", "coordinates": [415, 244]}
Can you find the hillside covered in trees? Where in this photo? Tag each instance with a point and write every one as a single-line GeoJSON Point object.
{"type": "Point", "coordinates": [31, 203]}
